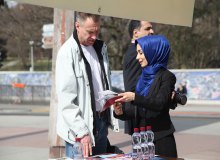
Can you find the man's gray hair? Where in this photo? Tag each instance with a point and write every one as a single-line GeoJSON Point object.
{"type": "Point", "coordinates": [81, 16]}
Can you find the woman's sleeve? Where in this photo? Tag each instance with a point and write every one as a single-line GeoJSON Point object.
{"type": "Point", "coordinates": [162, 98]}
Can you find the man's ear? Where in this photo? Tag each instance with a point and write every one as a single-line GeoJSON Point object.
{"type": "Point", "coordinates": [135, 33]}
{"type": "Point", "coordinates": [77, 25]}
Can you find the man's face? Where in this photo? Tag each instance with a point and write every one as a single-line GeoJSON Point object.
{"type": "Point", "coordinates": [87, 31]}
{"type": "Point", "coordinates": [145, 30]}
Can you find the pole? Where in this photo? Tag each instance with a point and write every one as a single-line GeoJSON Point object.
{"type": "Point", "coordinates": [63, 28]}
{"type": "Point", "coordinates": [32, 55]}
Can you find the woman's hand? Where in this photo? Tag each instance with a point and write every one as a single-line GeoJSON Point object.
{"type": "Point", "coordinates": [118, 108]}
{"type": "Point", "coordinates": [126, 97]}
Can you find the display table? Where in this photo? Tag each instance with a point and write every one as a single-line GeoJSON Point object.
{"type": "Point", "coordinates": [126, 157]}
{"type": "Point", "coordinates": [119, 157]}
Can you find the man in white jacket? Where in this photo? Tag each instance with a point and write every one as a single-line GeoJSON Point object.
{"type": "Point", "coordinates": [82, 70]}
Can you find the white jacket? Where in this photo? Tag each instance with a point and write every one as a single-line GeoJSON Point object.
{"type": "Point", "coordinates": [75, 116]}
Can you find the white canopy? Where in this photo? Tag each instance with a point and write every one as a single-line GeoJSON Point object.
{"type": "Point", "coordinates": [175, 12]}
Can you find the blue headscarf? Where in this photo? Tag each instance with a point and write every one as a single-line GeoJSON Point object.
{"type": "Point", "coordinates": [156, 50]}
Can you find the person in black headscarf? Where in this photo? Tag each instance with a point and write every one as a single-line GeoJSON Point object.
{"type": "Point", "coordinates": [153, 92]}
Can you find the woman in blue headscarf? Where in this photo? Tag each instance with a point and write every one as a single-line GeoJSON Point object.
{"type": "Point", "coordinates": [153, 92]}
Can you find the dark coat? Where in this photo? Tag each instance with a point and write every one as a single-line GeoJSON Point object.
{"type": "Point", "coordinates": [131, 68]}
{"type": "Point", "coordinates": [154, 108]}
{"type": "Point", "coordinates": [131, 73]}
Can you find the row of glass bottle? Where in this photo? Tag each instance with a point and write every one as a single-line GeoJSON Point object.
{"type": "Point", "coordinates": [142, 144]}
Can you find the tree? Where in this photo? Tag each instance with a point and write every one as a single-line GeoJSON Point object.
{"type": "Point", "coordinates": [196, 47]}
{"type": "Point", "coordinates": [113, 32]}
{"type": "Point", "coordinates": [192, 47]}
{"type": "Point", "coordinates": [2, 2]}
{"type": "Point", "coordinates": [22, 24]}
{"type": "Point", "coordinates": [3, 51]}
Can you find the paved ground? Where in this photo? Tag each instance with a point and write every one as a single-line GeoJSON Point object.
{"type": "Point", "coordinates": [24, 132]}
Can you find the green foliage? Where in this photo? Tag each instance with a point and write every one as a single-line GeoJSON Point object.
{"type": "Point", "coordinates": [39, 65]}
{"type": "Point", "coordinates": [43, 65]}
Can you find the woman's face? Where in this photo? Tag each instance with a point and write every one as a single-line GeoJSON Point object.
{"type": "Point", "coordinates": [140, 57]}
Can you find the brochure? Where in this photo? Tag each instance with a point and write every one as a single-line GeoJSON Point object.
{"type": "Point", "coordinates": [109, 97]}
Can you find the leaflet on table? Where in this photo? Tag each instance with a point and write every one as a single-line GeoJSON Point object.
{"type": "Point", "coordinates": [109, 97]}
{"type": "Point", "coordinates": [110, 156]}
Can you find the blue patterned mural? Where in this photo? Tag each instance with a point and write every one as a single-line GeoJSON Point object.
{"type": "Point", "coordinates": [201, 84]}
{"type": "Point", "coordinates": [27, 78]}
